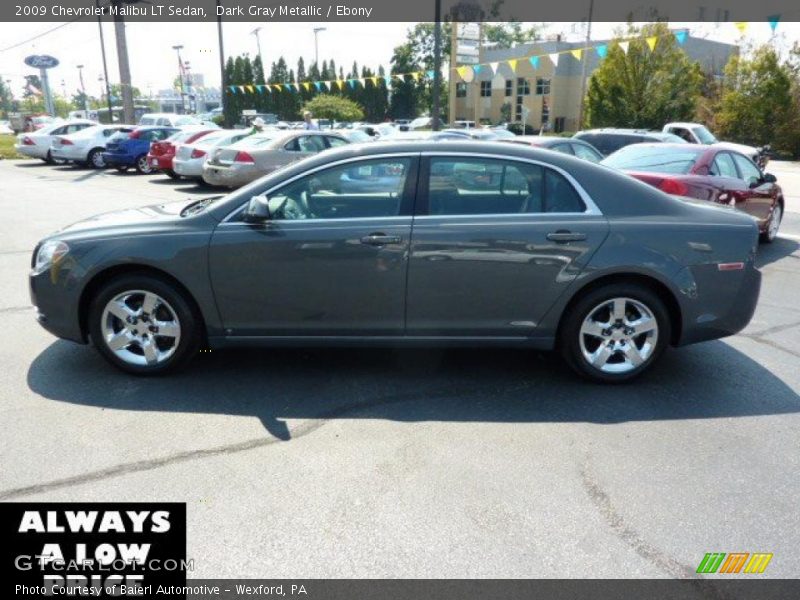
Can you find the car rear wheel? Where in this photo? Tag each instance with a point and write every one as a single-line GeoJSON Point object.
{"type": "Point", "coordinates": [143, 325]}
{"type": "Point", "coordinates": [774, 224]}
{"type": "Point", "coordinates": [143, 166]}
{"type": "Point", "coordinates": [615, 333]}
{"type": "Point", "coordinates": [95, 159]}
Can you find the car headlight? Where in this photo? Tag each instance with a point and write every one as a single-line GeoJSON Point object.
{"type": "Point", "coordinates": [49, 254]}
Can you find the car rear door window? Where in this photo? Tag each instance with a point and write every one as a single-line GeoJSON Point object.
{"type": "Point", "coordinates": [366, 189]}
{"type": "Point", "coordinates": [586, 153]}
{"type": "Point", "coordinates": [335, 142]}
{"type": "Point", "coordinates": [748, 171]}
{"type": "Point", "coordinates": [477, 186]}
{"type": "Point", "coordinates": [723, 166]}
{"type": "Point", "coordinates": [311, 143]}
{"type": "Point", "coordinates": [563, 148]}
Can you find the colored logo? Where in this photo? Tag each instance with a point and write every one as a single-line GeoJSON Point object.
{"type": "Point", "coordinates": [734, 562]}
{"type": "Point", "coordinates": [41, 61]}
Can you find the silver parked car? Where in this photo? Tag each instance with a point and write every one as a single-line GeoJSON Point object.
{"type": "Point", "coordinates": [190, 158]}
{"type": "Point", "coordinates": [262, 153]}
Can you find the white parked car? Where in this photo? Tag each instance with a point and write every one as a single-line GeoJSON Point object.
{"type": "Point", "coordinates": [5, 128]}
{"type": "Point", "coordinates": [36, 144]}
{"type": "Point", "coordinates": [697, 133]}
{"type": "Point", "coordinates": [171, 120]}
{"type": "Point", "coordinates": [189, 158]}
{"type": "Point", "coordinates": [85, 147]}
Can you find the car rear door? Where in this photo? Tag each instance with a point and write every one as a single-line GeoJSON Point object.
{"type": "Point", "coordinates": [495, 242]}
{"type": "Point", "coordinates": [332, 259]}
{"type": "Point", "coordinates": [730, 189]}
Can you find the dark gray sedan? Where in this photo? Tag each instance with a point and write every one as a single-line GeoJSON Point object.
{"type": "Point", "coordinates": [420, 243]}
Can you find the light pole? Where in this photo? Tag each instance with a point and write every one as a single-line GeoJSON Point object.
{"type": "Point", "coordinates": [105, 64]}
{"type": "Point", "coordinates": [255, 32]}
{"type": "Point", "coordinates": [178, 49]}
{"type": "Point", "coordinates": [83, 88]}
{"type": "Point", "coordinates": [316, 44]}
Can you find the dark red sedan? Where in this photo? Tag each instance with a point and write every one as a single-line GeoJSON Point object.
{"type": "Point", "coordinates": [161, 153]}
{"type": "Point", "coordinates": [715, 173]}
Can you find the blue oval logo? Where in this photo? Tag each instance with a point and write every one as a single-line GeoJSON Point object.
{"type": "Point", "coordinates": [41, 61]}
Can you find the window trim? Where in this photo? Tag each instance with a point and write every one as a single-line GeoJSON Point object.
{"type": "Point", "coordinates": [422, 204]}
{"type": "Point", "coordinates": [413, 174]}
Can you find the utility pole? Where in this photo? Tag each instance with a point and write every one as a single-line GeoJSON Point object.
{"type": "Point", "coordinates": [437, 66]}
{"type": "Point", "coordinates": [583, 65]}
{"type": "Point", "coordinates": [316, 44]}
{"type": "Point", "coordinates": [222, 82]}
{"type": "Point", "coordinates": [451, 81]}
{"type": "Point", "coordinates": [180, 75]}
{"type": "Point", "coordinates": [255, 32]}
{"type": "Point", "coordinates": [128, 115]}
{"type": "Point", "coordinates": [105, 63]}
{"type": "Point", "coordinates": [83, 89]}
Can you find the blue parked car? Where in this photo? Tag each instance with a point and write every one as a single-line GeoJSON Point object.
{"type": "Point", "coordinates": [126, 150]}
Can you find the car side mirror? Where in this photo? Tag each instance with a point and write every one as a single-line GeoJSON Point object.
{"type": "Point", "coordinates": [257, 210]}
{"type": "Point", "coordinates": [769, 178]}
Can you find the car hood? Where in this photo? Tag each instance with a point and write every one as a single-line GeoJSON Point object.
{"type": "Point", "coordinates": [146, 219]}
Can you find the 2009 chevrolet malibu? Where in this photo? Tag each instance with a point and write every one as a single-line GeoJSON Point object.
{"type": "Point", "coordinates": [464, 243]}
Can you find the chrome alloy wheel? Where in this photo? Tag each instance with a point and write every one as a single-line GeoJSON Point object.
{"type": "Point", "coordinates": [774, 222]}
{"type": "Point", "coordinates": [618, 335]}
{"type": "Point", "coordinates": [144, 165]}
{"type": "Point", "coordinates": [141, 328]}
{"type": "Point", "coordinates": [97, 160]}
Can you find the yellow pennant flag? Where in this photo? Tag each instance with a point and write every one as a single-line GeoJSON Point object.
{"type": "Point", "coordinates": [374, 81]}
{"type": "Point", "coordinates": [741, 26]}
{"type": "Point", "coordinates": [462, 72]}
{"type": "Point", "coordinates": [340, 83]}
{"type": "Point", "coordinates": [415, 76]}
{"type": "Point", "coordinates": [651, 42]}
{"type": "Point", "coordinates": [577, 53]}
{"type": "Point", "coordinates": [307, 85]}
{"type": "Point", "coordinates": [277, 86]}
{"type": "Point", "coordinates": [251, 89]}
{"type": "Point", "coordinates": [513, 64]}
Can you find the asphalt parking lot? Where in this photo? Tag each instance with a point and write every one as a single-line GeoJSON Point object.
{"type": "Point", "coordinates": [365, 463]}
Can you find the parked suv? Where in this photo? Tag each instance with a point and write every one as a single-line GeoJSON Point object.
{"type": "Point", "coordinates": [611, 139]}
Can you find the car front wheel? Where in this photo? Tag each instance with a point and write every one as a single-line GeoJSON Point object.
{"type": "Point", "coordinates": [143, 325]}
{"type": "Point", "coordinates": [615, 333]}
{"type": "Point", "coordinates": [95, 159]}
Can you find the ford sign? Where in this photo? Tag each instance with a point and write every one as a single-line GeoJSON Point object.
{"type": "Point", "coordinates": [41, 61]}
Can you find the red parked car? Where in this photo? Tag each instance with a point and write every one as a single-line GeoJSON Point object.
{"type": "Point", "coordinates": [715, 173]}
{"type": "Point", "coordinates": [161, 153]}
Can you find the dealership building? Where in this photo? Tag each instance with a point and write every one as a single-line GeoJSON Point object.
{"type": "Point", "coordinates": [551, 94]}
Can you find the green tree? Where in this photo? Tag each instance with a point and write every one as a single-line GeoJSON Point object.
{"type": "Point", "coordinates": [643, 87]}
{"type": "Point", "coordinates": [759, 103]}
{"type": "Point", "coordinates": [326, 106]}
{"type": "Point", "coordinates": [6, 99]}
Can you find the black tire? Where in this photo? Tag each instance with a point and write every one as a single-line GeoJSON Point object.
{"type": "Point", "coordinates": [189, 321]}
{"type": "Point", "coordinates": [172, 174]}
{"type": "Point", "coordinates": [569, 338]}
{"type": "Point", "coordinates": [95, 160]}
{"type": "Point", "coordinates": [142, 166]}
{"type": "Point", "coordinates": [122, 169]}
{"type": "Point", "coordinates": [49, 159]}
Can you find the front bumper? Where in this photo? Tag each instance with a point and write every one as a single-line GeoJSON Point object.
{"type": "Point", "coordinates": [56, 305]}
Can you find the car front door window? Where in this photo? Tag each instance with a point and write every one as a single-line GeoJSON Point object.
{"type": "Point", "coordinates": [367, 189]}
{"type": "Point", "coordinates": [749, 172]}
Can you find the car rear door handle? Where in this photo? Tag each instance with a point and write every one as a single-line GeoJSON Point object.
{"type": "Point", "coordinates": [562, 236]}
{"type": "Point", "coordinates": [380, 239]}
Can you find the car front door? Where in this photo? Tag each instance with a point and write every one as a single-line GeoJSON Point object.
{"type": "Point", "coordinates": [495, 243]}
{"type": "Point", "coordinates": [330, 261]}
{"type": "Point", "coordinates": [729, 188]}
{"type": "Point", "coordinates": [760, 194]}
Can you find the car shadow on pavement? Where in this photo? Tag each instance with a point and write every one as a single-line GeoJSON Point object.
{"type": "Point", "coordinates": [712, 380]}
{"type": "Point", "coordinates": [780, 248]}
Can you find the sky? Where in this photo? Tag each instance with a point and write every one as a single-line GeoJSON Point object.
{"type": "Point", "coordinates": [154, 63]}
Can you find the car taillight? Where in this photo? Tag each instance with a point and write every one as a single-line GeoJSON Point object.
{"type": "Point", "coordinates": [133, 135]}
{"type": "Point", "coordinates": [243, 157]}
{"type": "Point", "coordinates": [197, 153]}
{"type": "Point", "coordinates": [26, 141]}
{"type": "Point", "coordinates": [674, 187]}
{"type": "Point", "coordinates": [65, 142]}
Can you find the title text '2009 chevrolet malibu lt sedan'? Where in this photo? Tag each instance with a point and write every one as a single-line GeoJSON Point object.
{"type": "Point", "coordinates": [464, 243]}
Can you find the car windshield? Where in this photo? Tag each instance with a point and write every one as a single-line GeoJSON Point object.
{"type": "Point", "coordinates": [147, 121]}
{"type": "Point", "coordinates": [704, 135]}
{"type": "Point", "coordinates": [656, 159]}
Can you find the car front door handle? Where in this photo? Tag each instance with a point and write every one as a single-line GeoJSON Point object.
{"type": "Point", "coordinates": [562, 237]}
{"type": "Point", "coordinates": [380, 239]}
